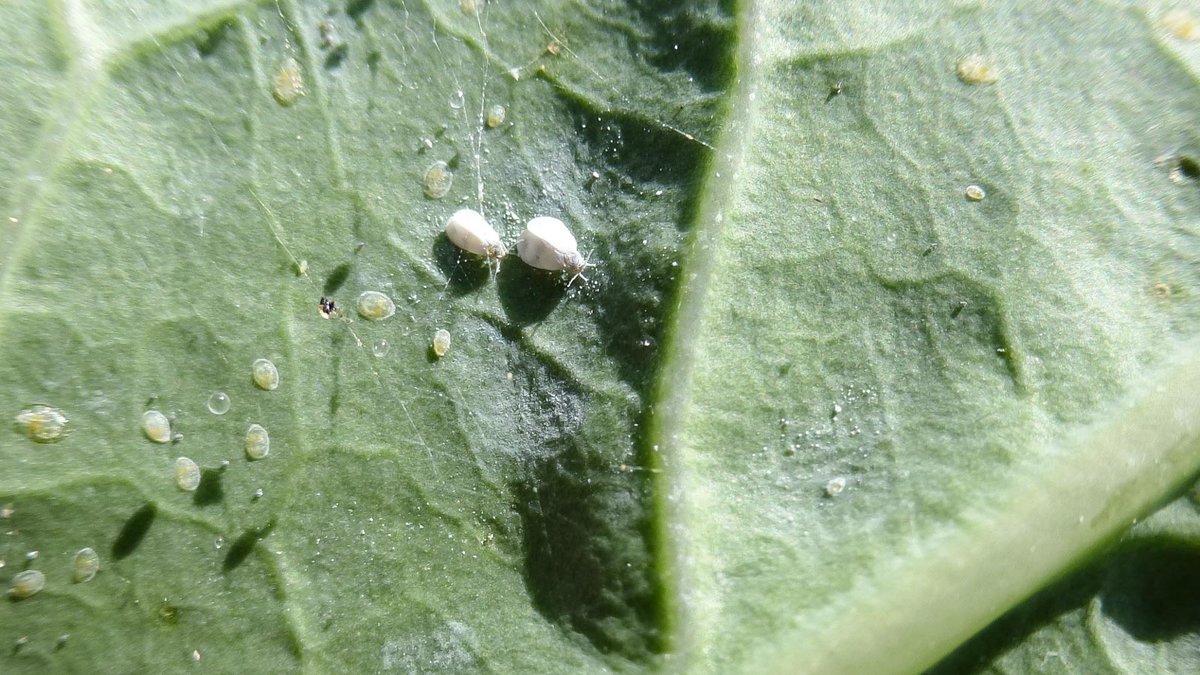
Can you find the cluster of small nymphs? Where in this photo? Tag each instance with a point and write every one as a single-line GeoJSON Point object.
{"type": "Point", "coordinates": [546, 243]}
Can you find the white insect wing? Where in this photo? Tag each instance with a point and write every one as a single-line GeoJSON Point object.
{"type": "Point", "coordinates": [547, 244]}
{"type": "Point", "coordinates": [470, 231]}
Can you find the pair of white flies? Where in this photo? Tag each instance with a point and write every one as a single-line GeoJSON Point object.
{"type": "Point", "coordinates": [546, 243]}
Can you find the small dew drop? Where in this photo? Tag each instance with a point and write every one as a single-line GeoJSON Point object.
{"type": "Point", "coordinates": [218, 403]}
{"type": "Point", "coordinates": [27, 583]}
{"type": "Point", "coordinates": [258, 493]}
{"type": "Point", "coordinates": [438, 180]}
{"type": "Point", "coordinates": [289, 82]}
{"type": "Point", "coordinates": [156, 426]}
{"type": "Point", "coordinates": [265, 374]}
{"type": "Point", "coordinates": [375, 306]}
{"type": "Point", "coordinates": [258, 443]}
{"type": "Point", "coordinates": [835, 486]}
{"type": "Point", "coordinates": [457, 100]}
{"type": "Point", "coordinates": [219, 543]}
{"type": "Point", "coordinates": [42, 423]}
{"type": "Point", "coordinates": [32, 555]}
{"type": "Point", "coordinates": [86, 564]}
{"type": "Point", "coordinates": [441, 342]}
{"type": "Point", "coordinates": [187, 474]}
{"type": "Point", "coordinates": [975, 69]}
{"type": "Point", "coordinates": [975, 193]}
{"type": "Point", "coordinates": [495, 116]}
{"type": "Point", "coordinates": [380, 348]}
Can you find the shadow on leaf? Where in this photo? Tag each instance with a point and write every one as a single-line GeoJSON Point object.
{"type": "Point", "coordinates": [528, 295]}
{"type": "Point", "coordinates": [241, 547]}
{"type": "Point", "coordinates": [464, 273]}
{"type": "Point", "coordinates": [587, 564]}
{"type": "Point", "coordinates": [134, 531]}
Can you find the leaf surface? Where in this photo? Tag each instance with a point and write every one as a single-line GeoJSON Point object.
{"type": "Point", "coordinates": [632, 473]}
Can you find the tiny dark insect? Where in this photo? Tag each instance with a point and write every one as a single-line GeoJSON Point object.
{"type": "Point", "coordinates": [327, 307]}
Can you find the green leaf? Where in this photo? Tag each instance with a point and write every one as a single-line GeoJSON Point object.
{"type": "Point", "coordinates": [630, 473]}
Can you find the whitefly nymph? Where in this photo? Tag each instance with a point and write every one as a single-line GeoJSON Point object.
{"type": "Point", "coordinates": [470, 231]}
{"type": "Point", "coordinates": [547, 244]}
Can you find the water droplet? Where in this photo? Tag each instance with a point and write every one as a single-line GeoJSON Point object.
{"type": "Point", "coordinates": [265, 375]}
{"type": "Point", "coordinates": [218, 403]}
{"type": "Point", "coordinates": [258, 493]}
{"type": "Point", "coordinates": [156, 426]}
{"type": "Point", "coordinates": [835, 486]}
{"type": "Point", "coordinates": [495, 116]}
{"type": "Point", "coordinates": [86, 564]}
{"type": "Point", "coordinates": [27, 583]}
{"type": "Point", "coordinates": [380, 348]}
{"type": "Point", "coordinates": [218, 543]}
{"type": "Point", "coordinates": [289, 82]}
{"type": "Point", "coordinates": [258, 443]}
{"type": "Point", "coordinates": [187, 474]}
{"type": "Point", "coordinates": [975, 193]}
{"type": "Point", "coordinates": [438, 180]}
{"type": "Point", "coordinates": [456, 100]}
{"type": "Point", "coordinates": [31, 555]}
{"type": "Point", "coordinates": [975, 69]}
{"type": "Point", "coordinates": [375, 306]}
{"type": "Point", "coordinates": [441, 342]}
{"type": "Point", "coordinates": [43, 423]}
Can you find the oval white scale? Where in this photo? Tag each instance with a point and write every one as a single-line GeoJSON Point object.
{"type": "Point", "coordinates": [470, 231]}
{"type": "Point", "coordinates": [547, 244]}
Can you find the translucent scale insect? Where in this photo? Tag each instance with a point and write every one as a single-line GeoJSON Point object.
{"type": "Point", "coordinates": [258, 443]}
{"type": "Point", "coordinates": [156, 426]}
{"type": "Point", "coordinates": [26, 583]}
{"type": "Point", "coordinates": [85, 565]}
{"type": "Point", "coordinates": [187, 474]}
{"type": "Point", "coordinates": [441, 342]}
{"type": "Point", "coordinates": [265, 374]}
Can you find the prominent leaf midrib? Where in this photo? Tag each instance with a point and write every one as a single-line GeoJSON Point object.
{"type": "Point", "coordinates": [672, 390]}
{"type": "Point", "coordinates": [1079, 505]}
